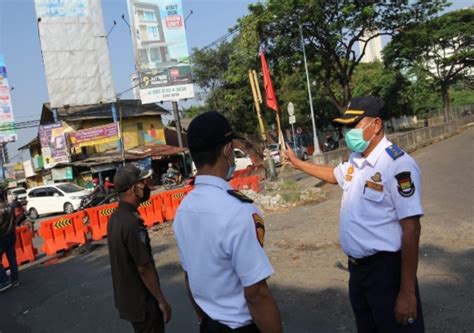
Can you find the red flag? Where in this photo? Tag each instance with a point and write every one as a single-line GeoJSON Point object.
{"type": "Point", "coordinates": [270, 97]}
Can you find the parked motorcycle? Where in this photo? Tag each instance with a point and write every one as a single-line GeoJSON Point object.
{"type": "Point", "coordinates": [93, 200]}
{"type": "Point", "coordinates": [330, 144]}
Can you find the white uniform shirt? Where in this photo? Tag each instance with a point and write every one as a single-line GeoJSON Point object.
{"type": "Point", "coordinates": [219, 249]}
{"type": "Point", "coordinates": [379, 191]}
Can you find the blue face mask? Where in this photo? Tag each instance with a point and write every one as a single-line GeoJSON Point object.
{"type": "Point", "coordinates": [355, 139]}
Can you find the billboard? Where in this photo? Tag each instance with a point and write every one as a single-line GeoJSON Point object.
{"type": "Point", "coordinates": [7, 123]}
{"type": "Point", "coordinates": [53, 144]}
{"type": "Point", "coordinates": [75, 53]}
{"type": "Point", "coordinates": [161, 50]}
{"type": "Point", "coordinates": [94, 136]}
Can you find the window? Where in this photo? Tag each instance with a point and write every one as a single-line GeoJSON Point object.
{"type": "Point", "coordinates": [49, 191]}
{"type": "Point", "coordinates": [155, 55]}
{"type": "Point", "coordinates": [70, 188]}
{"type": "Point", "coordinates": [143, 57]}
{"type": "Point", "coordinates": [239, 153]}
{"type": "Point", "coordinates": [19, 191]}
{"type": "Point", "coordinates": [152, 32]}
{"type": "Point", "coordinates": [41, 192]}
{"type": "Point", "coordinates": [149, 16]}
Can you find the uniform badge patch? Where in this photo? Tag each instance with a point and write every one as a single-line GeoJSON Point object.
{"type": "Point", "coordinates": [143, 236]}
{"type": "Point", "coordinates": [394, 152]}
{"type": "Point", "coordinates": [260, 228]}
{"type": "Point", "coordinates": [239, 195]}
{"type": "Point", "coordinates": [350, 170]}
{"type": "Point", "coordinates": [377, 177]}
{"type": "Point", "coordinates": [406, 188]}
{"type": "Point", "coordinates": [374, 186]}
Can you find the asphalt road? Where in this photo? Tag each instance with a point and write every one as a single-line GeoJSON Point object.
{"type": "Point", "coordinates": [75, 294]}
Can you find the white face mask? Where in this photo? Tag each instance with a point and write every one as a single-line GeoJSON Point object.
{"type": "Point", "coordinates": [232, 166]}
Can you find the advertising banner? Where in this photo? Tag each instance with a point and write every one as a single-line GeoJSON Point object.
{"type": "Point", "coordinates": [29, 170]}
{"type": "Point", "coordinates": [62, 173]}
{"type": "Point", "coordinates": [161, 50]}
{"type": "Point", "coordinates": [94, 136]}
{"type": "Point", "coordinates": [75, 52]}
{"type": "Point", "coordinates": [9, 170]}
{"type": "Point", "coordinates": [7, 123]}
{"type": "Point", "coordinates": [53, 144]}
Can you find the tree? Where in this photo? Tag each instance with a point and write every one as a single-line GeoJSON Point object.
{"type": "Point", "coordinates": [442, 48]}
{"type": "Point", "coordinates": [332, 30]}
{"type": "Point", "coordinates": [386, 83]}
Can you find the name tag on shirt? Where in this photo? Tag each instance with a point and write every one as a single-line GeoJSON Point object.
{"type": "Point", "coordinates": [374, 186]}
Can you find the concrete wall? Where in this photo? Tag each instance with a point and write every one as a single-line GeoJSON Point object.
{"type": "Point", "coordinates": [408, 141]}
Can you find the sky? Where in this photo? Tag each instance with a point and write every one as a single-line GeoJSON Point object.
{"type": "Point", "coordinates": [19, 43]}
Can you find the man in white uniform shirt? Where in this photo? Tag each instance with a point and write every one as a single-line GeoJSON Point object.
{"type": "Point", "coordinates": [220, 237]}
{"type": "Point", "coordinates": [379, 221]}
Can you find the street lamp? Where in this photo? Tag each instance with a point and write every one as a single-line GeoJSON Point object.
{"type": "Point", "coordinates": [317, 151]}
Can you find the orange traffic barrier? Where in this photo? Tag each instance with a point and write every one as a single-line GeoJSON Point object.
{"type": "Point", "coordinates": [25, 252]}
{"type": "Point", "coordinates": [63, 233]}
{"type": "Point", "coordinates": [99, 218]}
{"type": "Point", "coordinates": [152, 211]}
{"type": "Point", "coordinates": [253, 170]}
{"type": "Point", "coordinates": [246, 183]}
{"type": "Point", "coordinates": [171, 200]}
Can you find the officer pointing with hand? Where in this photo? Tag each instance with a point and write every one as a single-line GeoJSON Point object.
{"type": "Point", "coordinates": [379, 220]}
{"type": "Point", "coordinates": [220, 237]}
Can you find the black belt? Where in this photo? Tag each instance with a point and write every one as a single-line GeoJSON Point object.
{"type": "Point", "coordinates": [372, 258]}
{"type": "Point", "coordinates": [209, 325]}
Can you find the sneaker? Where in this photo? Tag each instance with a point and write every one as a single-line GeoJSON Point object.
{"type": "Point", "coordinates": [15, 284]}
{"type": "Point", "coordinates": [5, 285]}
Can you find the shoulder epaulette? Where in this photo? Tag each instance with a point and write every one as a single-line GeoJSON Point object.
{"type": "Point", "coordinates": [394, 151]}
{"type": "Point", "coordinates": [239, 195]}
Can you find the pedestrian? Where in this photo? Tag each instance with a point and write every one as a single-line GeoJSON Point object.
{"type": "Point", "coordinates": [138, 295]}
{"type": "Point", "coordinates": [7, 246]}
{"type": "Point", "coordinates": [379, 220]}
{"type": "Point", "coordinates": [220, 237]}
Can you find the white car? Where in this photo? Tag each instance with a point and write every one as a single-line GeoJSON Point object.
{"type": "Point", "coordinates": [242, 161]}
{"type": "Point", "coordinates": [18, 192]}
{"type": "Point", "coordinates": [54, 198]}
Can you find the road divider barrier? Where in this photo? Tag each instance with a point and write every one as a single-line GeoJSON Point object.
{"type": "Point", "coordinates": [63, 233]}
{"type": "Point", "coordinates": [152, 211]}
{"type": "Point", "coordinates": [246, 183]}
{"type": "Point", "coordinates": [171, 201]}
{"type": "Point", "coordinates": [99, 218]}
{"type": "Point", "coordinates": [25, 251]}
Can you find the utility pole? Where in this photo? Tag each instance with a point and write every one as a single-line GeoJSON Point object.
{"type": "Point", "coordinates": [177, 123]}
{"type": "Point", "coordinates": [317, 151]}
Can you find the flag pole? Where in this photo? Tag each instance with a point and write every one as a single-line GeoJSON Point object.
{"type": "Point", "coordinates": [257, 99]}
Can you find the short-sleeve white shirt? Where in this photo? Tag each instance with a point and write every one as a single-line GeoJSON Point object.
{"type": "Point", "coordinates": [378, 191]}
{"type": "Point", "coordinates": [219, 249]}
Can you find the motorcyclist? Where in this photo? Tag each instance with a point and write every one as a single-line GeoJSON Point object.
{"type": "Point", "coordinates": [330, 143]}
{"type": "Point", "coordinates": [173, 174]}
{"type": "Point", "coordinates": [99, 192]}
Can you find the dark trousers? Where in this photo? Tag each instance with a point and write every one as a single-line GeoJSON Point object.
{"type": "Point", "coordinates": [373, 289]}
{"type": "Point", "coordinates": [209, 325]}
{"type": "Point", "coordinates": [153, 322]}
{"type": "Point", "coordinates": [7, 246]}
